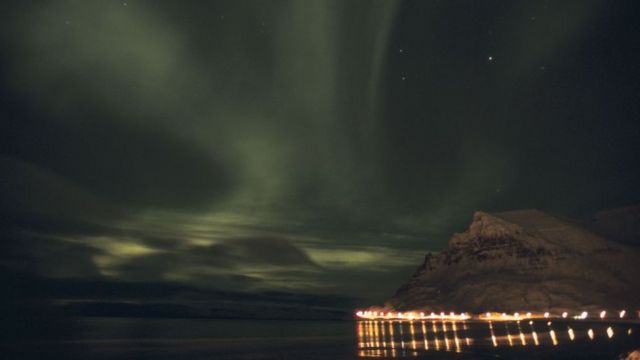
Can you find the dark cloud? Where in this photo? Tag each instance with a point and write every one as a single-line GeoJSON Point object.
{"type": "Point", "coordinates": [117, 159]}
{"type": "Point", "coordinates": [233, 281]}
{"type": "Point", "coordinates": [39, 255]}
{"type": "Point", "coordinates": [39, 199]}
{"type": "Point", "coordinates": [262, 251]}
{"type": "Point", "coordinates": [263, 254]}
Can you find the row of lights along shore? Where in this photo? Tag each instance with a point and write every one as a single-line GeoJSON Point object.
{"type": "Point", "coordinates": [391, 315]}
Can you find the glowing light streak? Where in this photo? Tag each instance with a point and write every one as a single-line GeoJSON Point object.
{"type": "Point", "coordinates": [372, 339]}
{"type": "Point", "coordinates": [466, 334]}
{"type": "Point", "coordinates": [534, 334]}
{"type": "Point", "coordinates": [509, 339]}
{"type": "Point", "coordinates": [455, 336]}
{"type": "Point", "coordinates": [552, 334]}
{"type": "Point", "coordinates": [535, 337]}
{"type": "Point", "coordinates": [446, 337]}
{"type": "Point", "coordinates": [522, 338]}
{"type": "Point", "coordinates": [375, 334]}
{"type": "Point", "coordinates": [361, 337]}
{"type": "Point", "coordinates": [486, 316]}
{"type": "Point", "coordinates": [413, 336]}
{"type": "Point", "coordinates": [424, 335]}
{"type": "Point", "coordinates": [376, 338]}
{"type": "Point", "coordinates": [383, 336]}
{"type": "Point", "coordinates": [493, 335]}
{"type": "Point", "coordinates": [584, 315]}
{"type": "Point", "coordinates": [392, 339]}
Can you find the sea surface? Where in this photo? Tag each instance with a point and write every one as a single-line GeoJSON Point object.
{"type": "Point", "coordinates": [190, 339]}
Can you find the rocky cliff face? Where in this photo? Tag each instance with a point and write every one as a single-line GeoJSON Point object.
{"type": "Point", "coordinates": [523, 260]}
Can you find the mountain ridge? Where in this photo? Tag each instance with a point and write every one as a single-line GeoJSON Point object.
{"type": "Point", "coordinates": [523, 260]}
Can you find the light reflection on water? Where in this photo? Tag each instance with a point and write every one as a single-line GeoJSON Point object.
{"type": "Point", "coordinates": [406, 338]}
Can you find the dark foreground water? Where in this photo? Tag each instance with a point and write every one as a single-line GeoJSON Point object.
{"type": "Point", "coordinates": [112, 338]}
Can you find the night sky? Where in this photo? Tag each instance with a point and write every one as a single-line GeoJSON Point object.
{"type": "Point", "coordinates": [316, 147]}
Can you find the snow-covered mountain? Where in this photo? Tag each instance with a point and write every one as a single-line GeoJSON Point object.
{"type": "Point", "coordinates": [524, 260]}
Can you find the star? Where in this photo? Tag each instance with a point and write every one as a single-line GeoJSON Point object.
{"type": "Point", "coordinates": [490, 58]}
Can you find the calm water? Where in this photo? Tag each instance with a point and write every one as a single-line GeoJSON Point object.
{"type": "Point", "coordinates": [109, 338]}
